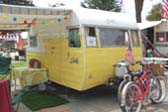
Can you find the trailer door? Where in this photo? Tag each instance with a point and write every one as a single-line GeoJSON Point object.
{"type": "Point", "coordinates": [72, 72]}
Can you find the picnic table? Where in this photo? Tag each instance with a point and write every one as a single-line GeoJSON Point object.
{"type": "Point", "coordinates": [29, 76]}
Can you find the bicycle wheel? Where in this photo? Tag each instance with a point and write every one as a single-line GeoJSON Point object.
{"type": "Point", "coordinates": [130, 98]}
{"type": "Point", "coordinates": [120, 88]}
{"type": "Point", "coordinates": [158, 89]}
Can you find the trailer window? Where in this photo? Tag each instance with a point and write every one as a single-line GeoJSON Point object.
{"type": "Point", "coordinates": [112, 37]}
{"type": "Point", "coordinates": [74, 38]}
{"type": "Point", "coordinates": [135, 39]}
{"type": "Point", "coordinates": [160, 37]}
{"type": "Point", "coordinates": [91, 40]}
{"type": "Point", "coordinates": [33, 41]}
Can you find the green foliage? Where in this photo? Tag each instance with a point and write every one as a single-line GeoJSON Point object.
{"type": "Point", "coordinates": [156, 13]}
{"type": "Point", "coordinates": [108, 5]}
{"type": "Point", "coordinates": [17, 2]}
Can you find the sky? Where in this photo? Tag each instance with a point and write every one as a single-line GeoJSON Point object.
{"type": "Point", "coordinates": [45, 3]}
{"type": "Point", "coordinates": [128, 5]}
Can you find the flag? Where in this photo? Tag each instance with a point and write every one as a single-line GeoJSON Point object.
{"type": "Point", "coordinates": [165, 9]}
{"type": "Point", "coordinates": [129, 54]}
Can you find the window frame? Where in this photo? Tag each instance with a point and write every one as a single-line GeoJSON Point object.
{"type": "Point", "coordinates": [86, 28]}
{"type": "Point", "coordinates": [165, 35]}
{"type": "Point", "coordinates": [113, 46]}
{"type": "Point", "coordinates": [71, 45]}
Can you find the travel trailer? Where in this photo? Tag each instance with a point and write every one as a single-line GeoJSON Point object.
{"type": "Point", "coordinates": [79, 46]}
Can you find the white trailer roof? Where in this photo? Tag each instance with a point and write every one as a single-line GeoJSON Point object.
{"type": "Point", "coordinates": [104, 18]}
{"type": "Point", "coordinates": [148, 24]}
{"type": "Point", "coordinates": [80, 16]}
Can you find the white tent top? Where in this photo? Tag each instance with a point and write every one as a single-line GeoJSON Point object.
{"type": "Point", "coordinates": [79, 16]}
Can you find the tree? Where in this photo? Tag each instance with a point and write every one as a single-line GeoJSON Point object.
{"type": "Point", "coordinates": [108, 5]}
{"type": "Point", "coordinates": [18, 2]}
{"type": "Point", "coordinates": [155, 13]}
{"type": "Point", "coordinates": [138, 9]}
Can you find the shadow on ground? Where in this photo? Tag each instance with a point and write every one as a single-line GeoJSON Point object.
{"type": "Point", "coordinates": [99, 99]}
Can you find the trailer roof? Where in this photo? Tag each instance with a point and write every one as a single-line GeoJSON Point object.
{"type": "Point", "coordinates": [104, 18]}
{"type": "Point", "coordinates": [148, 24]}
{"type": "Point", "coordinates": [81, 16]}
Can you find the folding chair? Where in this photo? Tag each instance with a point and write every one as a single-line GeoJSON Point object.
{"type": "Point", "coordinates": [8, 100]}
{"type": "Point", "coordinates": [5, 67]}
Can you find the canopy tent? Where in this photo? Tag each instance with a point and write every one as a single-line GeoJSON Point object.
{"type": "Point", "coordinates": [9, 36]}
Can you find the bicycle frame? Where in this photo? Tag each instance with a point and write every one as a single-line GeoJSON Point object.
{"type": "Point", "coordinates": [145, 78]}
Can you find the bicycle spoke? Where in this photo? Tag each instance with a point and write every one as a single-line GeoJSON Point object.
{"type": "Point", "coordinates": [131, 101]}
{"type": "Point", "coordinates": [158, 90]}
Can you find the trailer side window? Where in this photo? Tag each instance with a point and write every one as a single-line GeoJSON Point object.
{"type": "Point", "coordinates": [112, 37]}
{"type": "Point", "coordinates": [33, 41]}
{"type": "Point", "coordinates": [74, 38]}
{"type": "Point", "coordinates": [160, 37]}
{"type": "Point", "coordinates": [91, 40]}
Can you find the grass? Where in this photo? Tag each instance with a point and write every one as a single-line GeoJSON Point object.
{"type": "Point", "coordinates": [19, 63]}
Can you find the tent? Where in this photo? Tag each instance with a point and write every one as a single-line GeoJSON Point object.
{"type": "Point", "coordinates": [9, 36]}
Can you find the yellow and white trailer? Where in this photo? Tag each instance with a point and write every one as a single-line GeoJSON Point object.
{"type": "Point", "coordinates": [79, 46]}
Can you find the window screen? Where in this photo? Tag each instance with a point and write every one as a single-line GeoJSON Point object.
{"type": "Point", "coordinates": [91, 40]}
{"type": "Point", "coordinates": [112, 37]}
{"type": "Point", "coordinates": [160, 37]}
{"type": "Point", "coordinates": [33, 41]}
{"type": "Point", "coordinates": [74, 38]}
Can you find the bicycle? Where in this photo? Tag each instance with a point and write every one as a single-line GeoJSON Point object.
{"type": "Point", "coordinates": [141, 86]}
{"type": "Point", "coordinates": [127, 77]}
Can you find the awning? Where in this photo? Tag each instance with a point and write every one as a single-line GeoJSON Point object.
{"type": "Point", "coordinates": [148, 24]}
{"type": "Point", "coordinates": [13, 17]}
{"type": "Point", "coordinates": [10, 26]}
